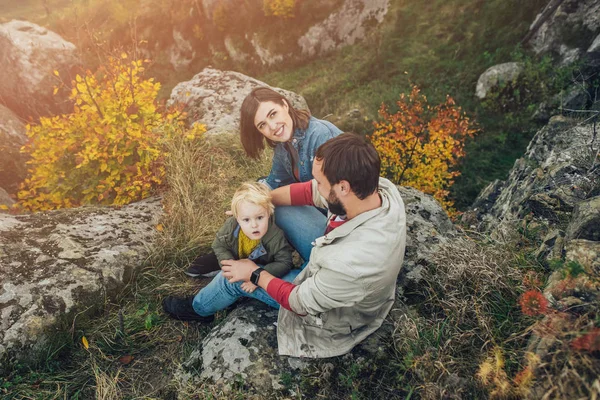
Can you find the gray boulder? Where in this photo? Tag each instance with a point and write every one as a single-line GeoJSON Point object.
{"type": "Point", "coordinates": [56, 263]}
{"type": "Point", "coordinates": [214, 98]}
{"type": "Point", "coordinates": [495, 76]}
{"type": "Point", "coordinates": [29, 55]}
{"type": "Point", "coordinates": [345, 27]}
{"type": "Point", "coordinates": [244, 345]}
{"type": "Point", "coordinates": [569, 31]}
{"type": "Point", "coordinates": [555, 174]}
{"type": "Point", "coordinates": [349, 23]}
{"type": "Point", "coordinates": [12, 162]}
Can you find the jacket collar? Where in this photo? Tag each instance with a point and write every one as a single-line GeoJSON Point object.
{"type": "Point", "coordinates": [300, 133]}
{"type": "Point", "coordinates": [347, 227]}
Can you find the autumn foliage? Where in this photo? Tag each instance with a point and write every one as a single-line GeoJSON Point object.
{"type": "Point", "coordinates": [108, 150]}
{"type": "Point", "coordinates": [419, 145]}
{"type": "Point", "coordinates": [279, 8]}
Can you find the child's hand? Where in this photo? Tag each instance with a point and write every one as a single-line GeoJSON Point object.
{"type": "Point", "coordinates": [248, 287]}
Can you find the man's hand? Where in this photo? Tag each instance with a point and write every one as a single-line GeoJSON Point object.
{"type": "Point", "coordinates": [248, 287]}
{"type": "Point", "coordinates": [238, 270]}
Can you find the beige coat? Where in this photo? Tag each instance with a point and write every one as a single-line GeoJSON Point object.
{"type": "Point", "coordinates": [349, 284]}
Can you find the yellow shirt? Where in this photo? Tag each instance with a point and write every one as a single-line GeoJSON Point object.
{"type": "Point", "coordinates": [245, 245]}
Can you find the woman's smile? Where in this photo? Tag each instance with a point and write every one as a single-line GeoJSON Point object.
{"type": "Point", "coordinates": [273, 121]}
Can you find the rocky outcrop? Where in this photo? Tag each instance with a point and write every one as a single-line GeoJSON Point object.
{"type": "Point", "coordinates": [244, 345]}
{"type": "Point", "coordinates": [497, 75]}
{"type": "Point", "coordinates": [29, 55]}
{"type": "Point", "coordinates": [55, 263]}
{"type": "Point", "coordinates": [558, 171]}
{"type": "Point", "coordinates": [553, 192]}
{"type": "Point", "coordinates": [570, 30]}
{"type": "Point", "coordinates": [214, 98]}
{"type": "Point", "coordinates": [348, 23]}
{"type": "Point", "coordinates": [344, 27]}
{"type": "Point", "coordinates": [12, 137]}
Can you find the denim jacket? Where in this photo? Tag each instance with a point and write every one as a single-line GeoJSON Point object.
{"type": "Point", "coordinates": [306, 142]}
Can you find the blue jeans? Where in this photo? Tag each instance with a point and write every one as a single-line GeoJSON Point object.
{"type": "Point", "coordinates": [301, 225]}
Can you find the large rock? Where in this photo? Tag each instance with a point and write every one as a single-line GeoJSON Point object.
{"type": "Point", "coordinates": [29, 55]}
{"type": "Point", "coordinates": [344, 27]}
{"type": "Point", "coordinates": [349, 22]}
{"type": "Point", "coordinates": [555, 174]}
{"type": "Point", "coordinates": [244, 345]}
{"type": "Point", "coordinates": [12, 137]}
{"type": "Point", "coordinates": [570, 31]}
{"type": "Point", "coordinates": [55, 263]}
{"type": "Point", "coordinates": [497, 75]}
{"type": "Point", "coordinates": [214, 98]}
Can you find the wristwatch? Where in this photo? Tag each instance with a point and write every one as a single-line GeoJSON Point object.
{"type": "Point", "coordinates": [255, 275]}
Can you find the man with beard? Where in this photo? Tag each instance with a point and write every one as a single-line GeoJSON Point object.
{"type": "Point", "coordinates": [348, 283]}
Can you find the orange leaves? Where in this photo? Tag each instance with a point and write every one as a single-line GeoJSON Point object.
{"type": "Point", "coordinates": [420, 144]}
{"type": "Point", "coordinates": [109, 150]}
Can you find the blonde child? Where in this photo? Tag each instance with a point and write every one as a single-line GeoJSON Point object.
{"type": "Point", "coordinates": [249, 234]}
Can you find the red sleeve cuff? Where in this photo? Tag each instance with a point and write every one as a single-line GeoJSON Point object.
{"type": "Point", "coordinates": [280, 290]}
{"type": "Point", "coordinates": [301, 194]}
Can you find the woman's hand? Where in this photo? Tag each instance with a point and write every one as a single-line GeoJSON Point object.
{"type": "Point", "coordinates": [238, 270]}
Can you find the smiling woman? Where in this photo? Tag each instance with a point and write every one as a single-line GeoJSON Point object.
{"type": "Point", "coordinates": [294, 134]}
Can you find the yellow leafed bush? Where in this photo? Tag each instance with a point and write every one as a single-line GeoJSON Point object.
{"type": "Point", "coordinates": [420, 144]}
{"type": "Point", "coordinates": [279, 8]}
{"type": "Point", "coordinates": [108, 150]}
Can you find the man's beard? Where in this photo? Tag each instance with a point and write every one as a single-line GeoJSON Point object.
{"type": "Point", "coordinates": [334, 204]}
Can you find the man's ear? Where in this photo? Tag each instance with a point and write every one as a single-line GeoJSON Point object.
{"type": "Point", "coordinates": [345, 188]}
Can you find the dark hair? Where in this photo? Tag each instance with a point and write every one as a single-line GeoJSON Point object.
{"type": "Point", "coordinates": [252, 140]}
{"type": "Point", "coordinates": [350, 157]}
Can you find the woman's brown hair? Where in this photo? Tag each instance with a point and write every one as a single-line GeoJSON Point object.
{"type": "Point", "coordinates": [252, 140]}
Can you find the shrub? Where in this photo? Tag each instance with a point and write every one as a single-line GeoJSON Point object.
{"type": "Point", "coordinates": [108, 150]}
{"type": "Point", "coordinates": [420, 144]}
{"type": "Point", "coordinates": [279, 8]}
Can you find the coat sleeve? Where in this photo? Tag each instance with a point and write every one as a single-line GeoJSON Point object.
{"type": "Point", "coordinates": [220, 245]}
{"type": "Point", "coordinates": [278, 176]}
{"type": "Point", "coordinates": [282, 256]}
{"type": "Point", "coordinates": [327, 289]}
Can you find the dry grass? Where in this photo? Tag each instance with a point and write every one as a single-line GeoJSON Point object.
{"type": "Point", "coordinates": [202, 176]}
{"type": "Point", "coordinates": [470, 292]}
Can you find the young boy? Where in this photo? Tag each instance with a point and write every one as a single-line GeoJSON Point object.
{"type": "Point", "coordinates": [249, 234]}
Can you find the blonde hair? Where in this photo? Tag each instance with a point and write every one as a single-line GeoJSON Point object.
{"type": "Point", "coordinates": [252, 192]}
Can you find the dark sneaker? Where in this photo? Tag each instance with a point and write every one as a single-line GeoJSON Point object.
{"type": "Point", "coordinates": [181, 309]}
{"type": "Point", "coordinates": [205, 266]}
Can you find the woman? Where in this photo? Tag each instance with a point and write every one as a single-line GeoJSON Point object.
{"type": "Point", "coordinates": [267, 116]}
{"type": "Point", "coordinates": [295, 136]}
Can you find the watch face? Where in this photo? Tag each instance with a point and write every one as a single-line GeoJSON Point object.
{"type": "Point", "coordinates": [255, 275]}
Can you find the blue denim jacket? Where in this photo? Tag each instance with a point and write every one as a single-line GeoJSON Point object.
{"type": "Point", "coordinates": [306, 143]}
